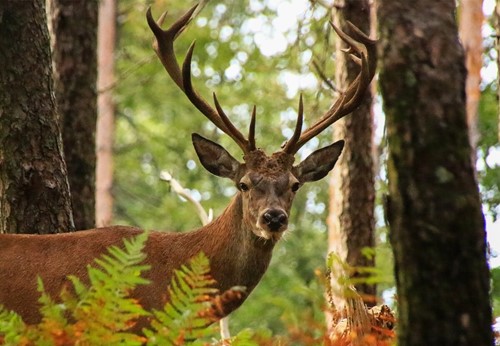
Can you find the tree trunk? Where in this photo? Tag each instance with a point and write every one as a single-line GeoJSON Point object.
{"type": "Point", "coordinates": [351, 220]}
{"type": "Point", "coordinates": [106, 110]}
{"type": "Point", "coordinates": [470, 30]}
{"type": "Point", "coordinates": [74, 47]}
{"type": "Point", "coordinates": [34, 191]}
{"type": "Point", "coordinates": [434, 209]}
{"type": "Point", "coordinates": [497, 44]}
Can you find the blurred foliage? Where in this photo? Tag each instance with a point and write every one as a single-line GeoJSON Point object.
{"type": "Point", "coordinates": [489, 147]}
{"type": "Point", "coordinates": [495, 290]}
{"type": "Point", "coordinates": [155, 120]}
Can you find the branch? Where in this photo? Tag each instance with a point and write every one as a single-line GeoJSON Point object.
{"type": "Point", "coordinates": [182, 192]}
{"type": "Point", "coordinates": [324, 78]}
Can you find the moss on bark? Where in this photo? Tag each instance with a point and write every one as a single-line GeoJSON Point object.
{"type": "Point", "coordinates": [436, 223]}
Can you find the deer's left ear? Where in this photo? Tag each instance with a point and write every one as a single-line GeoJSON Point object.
{"type": "Point", "coordinates": [319, 163]}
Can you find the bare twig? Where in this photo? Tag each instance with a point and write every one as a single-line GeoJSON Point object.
{"type": "Point", "coordinates": [324, 78]}
{"type": "Point", "coordinates": [204, 217]}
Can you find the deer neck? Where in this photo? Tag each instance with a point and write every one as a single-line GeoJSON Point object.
{"type": "Point", "coordinates": [234, 250]}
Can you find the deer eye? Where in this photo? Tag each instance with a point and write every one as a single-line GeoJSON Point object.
{"type": "Point", "coordinates": [295, 187]}
{"type": "Point", "coordinates": [243, 186]}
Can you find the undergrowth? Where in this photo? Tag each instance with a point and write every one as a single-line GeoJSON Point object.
{"type": "Point", "coordinates": [104, 313]}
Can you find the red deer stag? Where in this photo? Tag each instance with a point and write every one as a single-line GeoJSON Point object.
{"type": "Point", "coordinates": [238, 243]}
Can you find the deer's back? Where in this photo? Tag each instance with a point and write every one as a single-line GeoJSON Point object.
{"type": "Point", "coordinates": [52, 257]}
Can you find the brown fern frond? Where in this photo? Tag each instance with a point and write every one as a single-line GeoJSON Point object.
{"type": "Point", "coordinates": [222, 304]}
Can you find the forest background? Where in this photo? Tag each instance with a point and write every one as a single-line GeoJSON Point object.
{"type": "Point", "coordinates": [263, 53]}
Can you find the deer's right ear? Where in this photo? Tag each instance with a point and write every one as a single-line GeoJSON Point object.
{"type": "Point", "coordinates": [215, 158]}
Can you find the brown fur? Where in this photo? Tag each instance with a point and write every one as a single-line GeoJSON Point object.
{"type": "Point", "coordinates": [238, 243]}
{"type": "Point", "coordinates": [226, 242]}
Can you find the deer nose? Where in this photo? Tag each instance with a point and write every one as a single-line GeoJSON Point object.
{"type": "Point", "coordinates": [274, 219]}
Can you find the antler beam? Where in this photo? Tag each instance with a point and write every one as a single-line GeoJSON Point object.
{"type": "Point", "coordinates": [362, 50]}
{"type": "Point", "coordinates": [164, 48]}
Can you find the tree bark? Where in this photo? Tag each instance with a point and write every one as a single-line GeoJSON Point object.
{"type": "Point", "coordinates": [351, 222]}
{"type": "Point", "coordinates": [74, 47]}
{"type": "Point", "coordinates": [106, 110]}
{"type": "Point", "coordinates": [470, 30]}
{"type": "Point", "coordinates": [34, 191]}
{"type": "Point", "coordinates": [434, 210]}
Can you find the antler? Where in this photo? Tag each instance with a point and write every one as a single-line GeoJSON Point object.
{"type": "Point", "coordinates": [164, 48]}
{"type": "Point", "coordinates": [365, 57]}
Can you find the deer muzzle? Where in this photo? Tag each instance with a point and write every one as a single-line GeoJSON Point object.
{"type": "Point", "coordinates": [275, 220]}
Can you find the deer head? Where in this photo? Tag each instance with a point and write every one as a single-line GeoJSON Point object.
{"type": "Point", "coordinates": [267, 183]}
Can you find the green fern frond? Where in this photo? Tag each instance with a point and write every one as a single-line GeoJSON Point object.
{"type": "Point", "coordinates": [180, 321]}
{"type": "Point", "coordinates": [54, 324]}
{"type": "Point", "coordinates": [244, 338]}
{"type": "Point", "coordinates": [50, 310]}
{"type": "Point", "coordinates": [105, 309]}
{"type": "Point", "coordinates": [12, 327]}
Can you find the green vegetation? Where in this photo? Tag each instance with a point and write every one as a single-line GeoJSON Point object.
{"type": "Point", "coordinates": [103, 312]}
{"type": "Point", "coordinates": [155, 121]}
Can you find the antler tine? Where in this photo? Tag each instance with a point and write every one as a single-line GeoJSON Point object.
{"type": "Point", "coordinates": [370, 45]}
{"type": "Point", "coordinates": [251, 131]}
{"type": "Point", "coordinates": [164, 48]}
{"type": "Point", "coordinates": [288, 147]}
{"type": "Point", "coordinates": [164, 43]}
{"type": "Point", "coordinates": [218, 117]}
{"type": "Point", "coordinates": [351, 98]}
{"type": "Point", "coordinates": [232, 131]}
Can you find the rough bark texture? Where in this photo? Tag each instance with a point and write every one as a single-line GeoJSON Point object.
{"type": "Point", "coordinates": [470, 29]}
{"type": "Point", "coordinates": [106, 110]}
{"type": "Point", "coordinates": [34, 192]}
{"type": "Point", "coordinates": [434, 210]}
{"type": "Point", "coordinates": [351, 221]}
{"type": "Point", "coordinates": [74, 47]}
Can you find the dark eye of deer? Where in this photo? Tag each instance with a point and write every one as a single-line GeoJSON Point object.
{"type": "Point", "coordinates": [243, 186]}
{"type": "Point", "coordinates": [295, 187]}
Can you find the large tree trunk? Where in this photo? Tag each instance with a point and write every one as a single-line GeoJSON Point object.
{"type": "Point", "coordinates": [351, 220]}
{"type": "Point", "coordinates": [470, 29]}
{"type": "Point", "coordinates": [34, 191]}
{"type": "Point", "coordinates": [106, 110]}
{"type": "Point", "coordinates": [74, 47]}
{"type": "Point", "coordinates": [434, 209]}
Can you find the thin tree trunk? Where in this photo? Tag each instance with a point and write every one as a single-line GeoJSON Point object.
{"type": "Point", "coordinates": [497, 43]}
{"type": "Point", "coordinates": [470, 30]}
{"type": "Point", "coordinates": [351, 220]}
{"type": "Point", "coordinates": [434, 210]}
{"type": "Point", "coordinates": [34, 191]}
{"type": "Point", "coordinates": [74, 46]}
{"type": "Point", "coordinates": [106, 110]}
